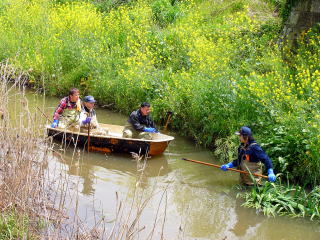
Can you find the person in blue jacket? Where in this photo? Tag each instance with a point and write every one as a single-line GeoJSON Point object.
{"type": "Point", "coordinates": [250, 157]}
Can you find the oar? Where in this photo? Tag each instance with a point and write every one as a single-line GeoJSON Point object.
{"type": "Point", "coordinates": [89, 137]}
{"type": "Point", "coordinates": [231, 169]}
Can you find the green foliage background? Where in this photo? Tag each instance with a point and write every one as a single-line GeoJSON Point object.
{"type": "Point", "coordinates": [215, 64]}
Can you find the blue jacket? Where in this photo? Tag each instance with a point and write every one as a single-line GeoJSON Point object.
{"type": "Point", "coordinates": [254, 153]}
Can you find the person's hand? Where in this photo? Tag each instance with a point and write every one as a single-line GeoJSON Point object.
{"type": "Point", "coordinates": [226, 166]}
{"type": "Point", "coordinates": [151, 130]}
{"type": "Point", "coordinates": [271, 176]}
{"type": "Point", "coordinates": [86, 121]}
{"type": "Point", "coordinates": [55, 123]}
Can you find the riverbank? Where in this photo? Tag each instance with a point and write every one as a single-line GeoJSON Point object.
{"type": "Point", "coordinates": [216, 65]}
{"type": "Point", "coordinates": [87, 188]}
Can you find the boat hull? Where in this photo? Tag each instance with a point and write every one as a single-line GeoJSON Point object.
{"type": "Point", "coordinates": [112, 142]}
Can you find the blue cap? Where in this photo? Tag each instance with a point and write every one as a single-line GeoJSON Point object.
{"type": "Point", "coordinates": [89, 99]}
{"type": "Point", "coordinates": [245, 131]}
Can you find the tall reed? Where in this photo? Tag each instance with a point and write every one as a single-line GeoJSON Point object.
{"type": "Point", "coordinates": [22, 161]}
{"type": "Point", "coordinates": [35, 197]}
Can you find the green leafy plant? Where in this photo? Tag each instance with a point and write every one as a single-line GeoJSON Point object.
{"type": "Point", "coordinates": [277, 199]}
{"type": "Point", "coordinates": [164, 12]}
{"type": "Point", "coordinates": [13, 226]}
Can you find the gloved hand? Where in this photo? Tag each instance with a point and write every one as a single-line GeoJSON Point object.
{"type": "Point", "coordinates": [55, 123]}
{"type": "Point", "coordinates": [151, 130]}
{"type": "Point", "coordinates": [271, 176]}
{"type": "Point", "coordinates": [86, 121]}
{"type": "Point", "coordinates": [226, 166]}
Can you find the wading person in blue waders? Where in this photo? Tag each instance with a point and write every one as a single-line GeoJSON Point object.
{"type": "Point", "coordinates": [250, 157]}
{"type": "Point", "coordinates": [68, 111]}
{"type": "Point", "coordinates": [140, 125]}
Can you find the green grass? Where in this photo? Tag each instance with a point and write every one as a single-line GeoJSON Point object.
{"type": "Point", "coordinates": [13, 226]}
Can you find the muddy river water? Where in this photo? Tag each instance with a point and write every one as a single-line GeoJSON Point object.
{"type": "Point", "coordinates": [199, 201]}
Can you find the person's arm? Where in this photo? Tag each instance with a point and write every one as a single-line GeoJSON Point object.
{"type": "Point", "coordinates": [151, 123]}
{"type": "Point", "coordinates": [151, 126]}
{"type": "Point", "coordinates": [134, 120]}
{"type": "Point", "coordinates": [264, 158]}
{"type": "Point", "coordinates": [232, 164]}
{"type": "Point", "coordinates": [59, 110]}
{"type": "Point", "coordinates": [82, 118]}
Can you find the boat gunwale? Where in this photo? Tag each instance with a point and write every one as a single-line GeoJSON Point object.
{"type": "Point", "coordinates": [63, 130]}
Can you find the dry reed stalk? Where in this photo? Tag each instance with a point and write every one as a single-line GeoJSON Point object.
{"type": "Point", "coordinates": [127, 223]}
{"type": "Point", "coordinates": [28, 187]}
{"type": "Point", "coordinates": [22, 163]}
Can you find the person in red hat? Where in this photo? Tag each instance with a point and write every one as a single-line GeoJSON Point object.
{"type": "Point", "coordinates": [250, 157]}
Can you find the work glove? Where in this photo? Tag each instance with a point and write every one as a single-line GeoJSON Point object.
{"type": "Point", "coordinates": [55, 123]}
{"type": "Point", "coordinates": [86, 121]}
{"type": "Point", "coordinates": [226, 166]}
{"type": "Point", "coordinates": [271, 176]}
{"type": "Point", "coordinates": [151, 130]}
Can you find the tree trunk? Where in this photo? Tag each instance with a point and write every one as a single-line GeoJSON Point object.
{"type": "Point", "coordinates": [304, 15]}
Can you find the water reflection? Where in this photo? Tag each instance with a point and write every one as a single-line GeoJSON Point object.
{"type": "Point", "coordinates": [86, 164]}
{"type": "Point", "coordinates": [246, 220]}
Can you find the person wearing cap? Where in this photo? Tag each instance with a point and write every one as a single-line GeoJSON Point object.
{"type": "Point", "coordinates": [250, 157]}
{"type": "Point", "coordinates": [140, 124]}
{"type": "Point", "coordinates": [88, 117]}
{"type": "Point", "coordinates": [88, 114]}
{"type": "Point", "coordinates": [68, 110]}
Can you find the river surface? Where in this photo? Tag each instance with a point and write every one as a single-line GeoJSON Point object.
{"type": "Point", "coordinates": [196, 201]}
